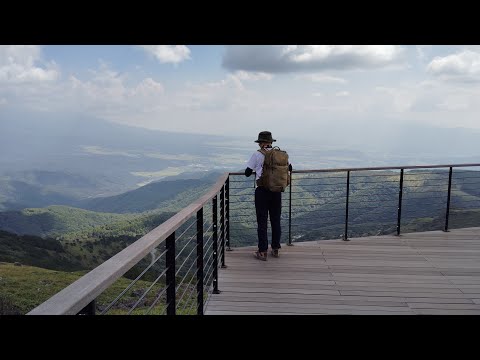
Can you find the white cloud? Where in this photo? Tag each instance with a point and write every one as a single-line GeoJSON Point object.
{"type": "Point", "coordinates": [422, 51]}
{"type": "Point", "coordinates": [462, 67]}
{"type": "Point", "coordinates": [395, 99]}
{"type": "Point", "coordinates": [291, 58]}
{"type": "Point", "coordinates": [322, 78]}
{"type": "Point", "coordinates": [453, 104]}
{"type": "Point", "coordinates": [211, 96]}
{"type": "Point", "coordinates": [148, 88]}
{"type": "Point", "coordinates": [241, 100]}
{"type": "Point", "coordinates": [111, 95]}
{"type": "Point", "coordinates": [104, 93]}
{"type": "Point", "coordinates": [245, 75]}
{"type": "Point", "coordinates": [22, 64]}
{"type": "Point", "coordinates": [168, 53]}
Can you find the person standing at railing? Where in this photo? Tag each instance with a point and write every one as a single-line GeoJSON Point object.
{"type": "Point", "coordinates": [268, 192]}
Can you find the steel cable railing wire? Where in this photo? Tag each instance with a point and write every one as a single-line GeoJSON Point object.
{"type": "Point", "coordinates": [188, 228]}
{"type": "Point", "coordinates": [159, 296]}
{"type": "Point", "coordinates": [208, 288]}
{"type": "Point", "coordinates": [206, 231]}
{"type": "Point", "coordinates": [188, 243]}
{"type": "Point", "coordinates": [187, 287]}
{"type": "Point", "coordinates": [131, 284]}
{"type": "Point", "coordinates": [146, 292]}
{"type": "Point", "coordinates": [421, 189]}
{"type": "Point", "coordinates": [208, 275]}
{"type": "Point", "coordinates": [188, 271]}
{"type": "Point", "coordinates": [209, 246]}
{"type": "Point", "coordinates": [189, 298]}
{"type": "Point", "coordinates": [205, 242]}
{"type": "Point", "coordinates": [207, 278]}
{"type": "Point", "coordinates": [206, 283]}
{"type": "Point", "coordinates": [194, 262]}
{"type": "Point", "coordinates": [166, 308]}
{"type": "Point", "coordinates": [190, 308]}
{"type": "Point", "coordinates": [209, 258]}
{"type": "Point", "coordinates": [193, 277]}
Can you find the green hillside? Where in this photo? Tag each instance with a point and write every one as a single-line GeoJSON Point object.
{"type": "Point", "coordinates": [39, 188]}
{"type": "Point", "coordinates": [16, 195]}
{"type": "Point", "coordinates": [33, 250]}
{"type": "Point", "coordinates": [94, 246]}
{"type": "Point", "coordinates": [85, 238]}
{"type": "Point", "coordinates": [54, 221]}
{"type": "Point", "coordinates": [150, 197]}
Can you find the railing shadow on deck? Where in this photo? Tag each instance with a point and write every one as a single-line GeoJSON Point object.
{"type": "Point", "coordinates": [322, 204]}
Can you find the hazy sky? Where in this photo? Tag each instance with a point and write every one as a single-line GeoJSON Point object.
{"type": "Point", "coordinates": [240, 90]}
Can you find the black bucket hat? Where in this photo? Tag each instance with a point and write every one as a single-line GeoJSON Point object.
{"type": "Point", "coordinates": [265, 136]}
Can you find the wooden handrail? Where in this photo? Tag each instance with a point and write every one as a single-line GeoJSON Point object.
{"type": "Point", "coordinates": [374, 168]}
{"type": "Point", "coordinates": [79, 294]}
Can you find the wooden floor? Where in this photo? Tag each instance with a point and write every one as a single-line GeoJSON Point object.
{"type": "Point", "coordinates": [420, 273]}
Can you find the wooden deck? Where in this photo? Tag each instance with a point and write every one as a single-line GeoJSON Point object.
{"type": "Point", "coordinates": [420, 273]}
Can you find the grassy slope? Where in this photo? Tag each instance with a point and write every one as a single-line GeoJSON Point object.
{"type": "Point", "coordinates": [22, 288]}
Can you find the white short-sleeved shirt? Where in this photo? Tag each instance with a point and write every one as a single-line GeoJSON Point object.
{"type": "Point", "coordinates": [256, 163]}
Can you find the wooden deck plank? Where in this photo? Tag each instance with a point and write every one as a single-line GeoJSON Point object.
{"type": "Point", "coordinates": [417, 273]}
{"type": "Point", "coordinates": [293, 298]}
{"type": "Point", "coordinates": [316, 306]}
{"type": "Point", "coordinates": [232, 300]}
{"type": "Point", "coordinates": [446, 312]}
{"type": "Point", "coordinates": [402, 293]}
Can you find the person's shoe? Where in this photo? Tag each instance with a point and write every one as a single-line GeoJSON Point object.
{"type": "Point", "coordinates": [260, 255]}
{"type": "Point", "coordinates": [275, 253]}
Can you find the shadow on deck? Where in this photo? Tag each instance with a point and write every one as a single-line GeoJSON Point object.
{"type": "Point", "coordinates": [419, 273]}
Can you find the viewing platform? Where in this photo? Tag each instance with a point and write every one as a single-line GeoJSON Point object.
{"type": "Point", "coordinates": [423, 259]}
{"type": "Point", "coordinates": [432, 272]}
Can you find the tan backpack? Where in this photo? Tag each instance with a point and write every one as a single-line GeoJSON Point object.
{"type": "Point", "coordinates": [275, 175]}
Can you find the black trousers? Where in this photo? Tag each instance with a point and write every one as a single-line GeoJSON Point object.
{"type": "Point", "coordinates": [268, 202]}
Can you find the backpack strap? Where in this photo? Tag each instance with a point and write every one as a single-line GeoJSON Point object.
{"type": "Point", "coordinates": [260, 181]}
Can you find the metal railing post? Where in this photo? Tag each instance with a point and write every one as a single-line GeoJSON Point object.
{"type": "Point", "coordinates": [222, 223]}
{"type": "Point", "coordinates": [290, 213]}
{"type": "Point", "coordinates": [170, 275]}
{"type": "Point", "coordinates": [215, 245]}
{"type": "Point", "coordinates": [200, 262]}
{"type": "Point", "coordinates": [345, 236]}
{"type": "Point", "coordinates": [89, 309]}
{"type": "Point", "coordinates": [448, 199]}
{"type": "Point", "coordinates": [400, 193]}
{"type": "Point", "coordinates": [227, 215]}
